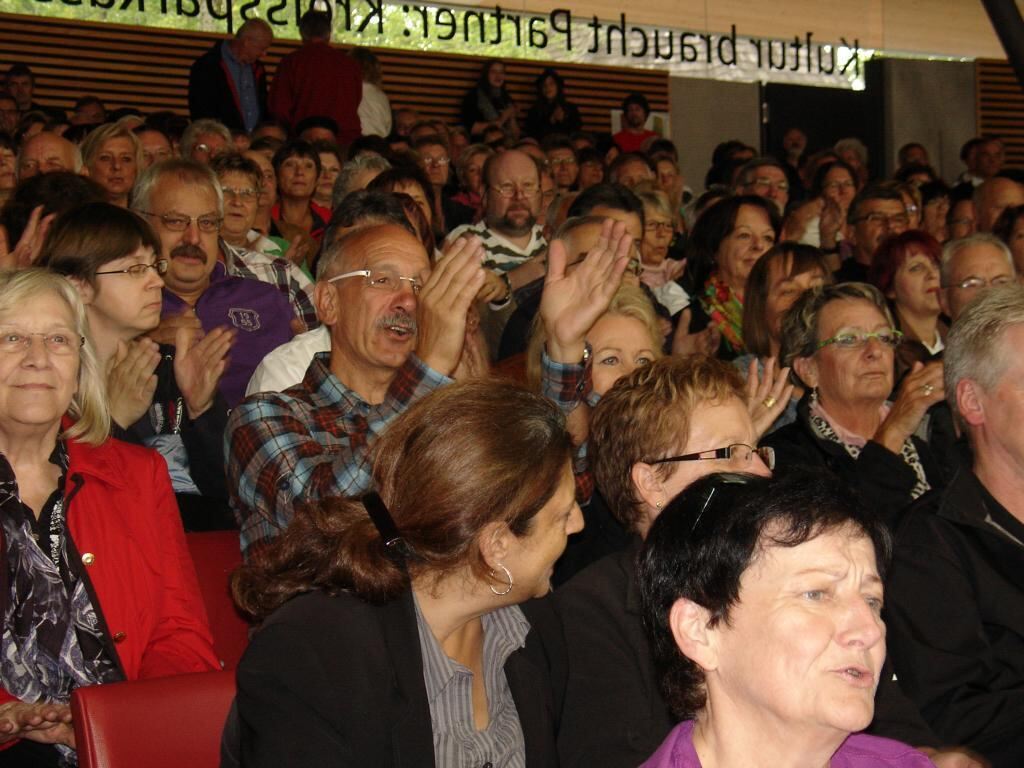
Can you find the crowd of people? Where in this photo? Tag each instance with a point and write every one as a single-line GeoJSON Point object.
{"type": "Point", "coordinates": [759, 434]}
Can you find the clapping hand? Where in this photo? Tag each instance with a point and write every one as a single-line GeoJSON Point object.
{"type": "Point", "coordinates": [199, 364]}
{"type": "Point", "coordinates": [572, 302]}
{"type": "Point", "coordinates": [767, 395]}
{"type": "Point", "coordinates": [44, 723]}
{"type": "Point", "coordinates": [131, 380]}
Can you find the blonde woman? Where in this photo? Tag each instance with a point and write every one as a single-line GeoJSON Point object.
{"type": "Point", "coordinates": [113, 156]}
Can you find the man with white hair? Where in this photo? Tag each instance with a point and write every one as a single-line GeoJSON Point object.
{"type": "Point", "coordinates": [971, 265]}
{"type": "Point", "coordinates": [45, 153]}
{"type": "Point", "coordinates": [992, 197]}
{"type": "Point", "coordinates": [229, 83]}
{"type": "Point", "coordinates": [204, 140]}
{"type": "Point", "coordinates": [955, 592]}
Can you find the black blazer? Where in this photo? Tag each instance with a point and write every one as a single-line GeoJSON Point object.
{"type": "Point", "coordinates": [883, 479]}
{"type": "Point", "coordinates": [955, 614]}
{"type": "Point", "coordinates": [212, 94]}
{"type": "Point", "coordinates": [338, 681]}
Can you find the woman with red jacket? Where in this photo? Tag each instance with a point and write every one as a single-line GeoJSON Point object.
{"type": "Point", "coordinates": [96, 584]}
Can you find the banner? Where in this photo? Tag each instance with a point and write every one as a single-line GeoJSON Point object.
{"type": "Point", "coordinates": [556, 36]}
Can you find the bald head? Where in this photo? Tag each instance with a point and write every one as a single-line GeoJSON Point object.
{"type": "Point", "coordinates": [252, 41]}
{"type": "Point", "coordinates": [45, 153]}
{"type": "Point", "coordinates": [994, 196]}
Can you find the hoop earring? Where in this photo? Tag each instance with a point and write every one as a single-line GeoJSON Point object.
{"type": "Point", "coordinates": [507, 576]}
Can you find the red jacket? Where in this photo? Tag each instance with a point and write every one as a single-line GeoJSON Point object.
{"type": "Point", "coordinates": [318, 80]}
{"type": "Point", "coordinates": [123, 522]}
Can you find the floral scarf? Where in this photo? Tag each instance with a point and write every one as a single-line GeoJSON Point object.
{"type": "Point", "coordinates": [726, 311]}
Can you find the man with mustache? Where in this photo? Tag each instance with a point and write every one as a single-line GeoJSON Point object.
{"type": "Point", "coordinates": [511, 237]}
{"type": "Point", "coordinates": [396, 333]}
{"type": "Point", "coordinates": [182, 201]}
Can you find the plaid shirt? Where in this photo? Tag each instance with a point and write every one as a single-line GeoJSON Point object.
{"type": "Point", "coordinates": [564, 384]}
{"type": "Point", "coordinates": [313, 441]}
{"type": "Point", "coordinates": [289, 279]}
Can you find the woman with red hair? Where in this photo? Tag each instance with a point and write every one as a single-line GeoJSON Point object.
{"type": "Point", "coordinates": [905, 268]}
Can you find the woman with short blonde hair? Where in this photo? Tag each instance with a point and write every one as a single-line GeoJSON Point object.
{"type": "Point", "coordinates": [113, 155]}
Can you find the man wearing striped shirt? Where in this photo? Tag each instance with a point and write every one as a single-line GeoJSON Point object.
{"type": "Point", "coordinates": [512, 239]}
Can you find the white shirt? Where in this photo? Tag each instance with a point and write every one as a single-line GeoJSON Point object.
{"type": "Point", "coordinates": [374, 111]}
{"type": "Point", "coordinates": [286, 366]}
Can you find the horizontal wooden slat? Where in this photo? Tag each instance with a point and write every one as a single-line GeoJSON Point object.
{"type": "Point", "coordinates": [148, 68]}
{"type": "Point", "coordinates": [1000, 107]}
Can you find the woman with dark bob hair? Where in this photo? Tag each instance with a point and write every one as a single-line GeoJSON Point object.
{"type": "Point", "coordinates": [763, 598]}
{"type": "Point", "coordinates": [488, 104]}
{"type": "Point", "coordinates": [392, 632]}
{"type": "Point", "coordinates": [726, 242]}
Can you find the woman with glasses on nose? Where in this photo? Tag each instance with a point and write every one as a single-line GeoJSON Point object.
{"type": "Point", "coordinates": [839, 342]}
{"type": "Point", "coordinates": [162, 396]}
{"type": "Point", "coordinates": [655, 432]}
{"type": "Point", "coordinates": [97, 584]}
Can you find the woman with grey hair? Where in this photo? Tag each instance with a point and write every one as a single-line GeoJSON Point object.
{"type": "Point", "coordinates": [96, 583]}
{"type": "Point", "coordinates": [839, 342]}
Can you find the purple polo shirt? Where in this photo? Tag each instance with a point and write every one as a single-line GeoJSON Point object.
{"type": "Point", "coordinates": [260, 313]}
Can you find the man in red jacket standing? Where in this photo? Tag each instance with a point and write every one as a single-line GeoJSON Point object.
{"type": "Point", "coordinates": [318, 80]}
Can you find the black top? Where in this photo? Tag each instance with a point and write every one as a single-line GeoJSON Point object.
{"type": "Point", "coordinates": [211, 92]}
{"type": "Point", "coordinates": [955, 616]}
{"type": "Point", "coordinates": [338, 681]}
{"type": "Point", "coordinates": [883, 479]}
{"type": "Point", "coordinates": [541, 121]}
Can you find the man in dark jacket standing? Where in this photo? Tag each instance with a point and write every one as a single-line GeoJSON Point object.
{"type": "Point", "coordinates": [228, 82]}
{"type": "Point", "coordinates": [955, 591]}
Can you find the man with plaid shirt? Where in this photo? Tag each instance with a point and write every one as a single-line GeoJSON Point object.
{"type": "Point", "coordinates": [391, 342]}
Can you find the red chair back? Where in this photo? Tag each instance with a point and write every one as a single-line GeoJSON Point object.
{"type": "Point", "coordinates": [166, 722]}
{"type": "Point", "coordinates": [216, 554]}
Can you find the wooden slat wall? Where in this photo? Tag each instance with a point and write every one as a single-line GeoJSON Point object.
{"type": "Point", "coordinates": [148, 68]}
{"type": "Point", "coordinates": [1001, 107]}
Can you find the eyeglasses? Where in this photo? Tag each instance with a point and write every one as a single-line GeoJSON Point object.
{"type": "Point", "coordinates": [245, 193]}
{"type": "Point", "coordinates": [436, 162]}
{"type": "Point", "coordinates": [138, 270]}
{"type": "Point", "coordinates": [177, 222]}
{"type": "Point", "coordinates": [509, 190]}
{"type": "Point", "coordinates": [899, 219]}
{"type": "Point", "coordinates": [739, 451]}
{"type": "Point", "coordinates": [381, 279]}
{"type": "Point", "coordinates": [558, 162]}
{"type": "Point", "coordinates": [766, 183]}
{"type": "Point", "coordinates": [890, 337]}
{"type": "Point", "coordinates": [974, 283]}
{"type": "Point", "coordinates": [14, 341]}
{"type": "Point", "coordinates": [658, 226]}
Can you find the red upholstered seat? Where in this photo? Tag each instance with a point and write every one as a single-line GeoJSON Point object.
{"type": "Point", "coordinates": [216, 554]}
{"type": "Point", "coordinates": [167, 722]}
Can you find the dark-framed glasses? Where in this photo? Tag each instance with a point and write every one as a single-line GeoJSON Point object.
{"type": "Point", "coordinates": [890, 337]}
{"type": "Point", "coordinates": [138, 270]}
{"type": "Point", "coordinates": [740, 452]}
{"type": "Point", "coordinates": [381, 279]}
{"type": "Point", "coordinates": [179, 222]}
{"type": "Point", "coordinates": [16, 341]}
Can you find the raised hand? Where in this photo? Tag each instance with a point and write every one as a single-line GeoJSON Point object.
{"type": "Point", "coordinates": [571, 303]}
{"type": "Point", "coordinates": [767, 395]}
{"type": "Point", "coordinates": [921, 389]}
{"type": "Point", "coordinates": [443, 303]}
{"type": "Point", "coordinates": [131, 380]}
{"type": "Point", "coordinates": [199, 364]}
{"type": "Point", "coordinates": [26, 251]}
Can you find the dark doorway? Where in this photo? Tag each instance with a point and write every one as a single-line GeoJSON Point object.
{"type": "Point", "coordinates": [827, 115]}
